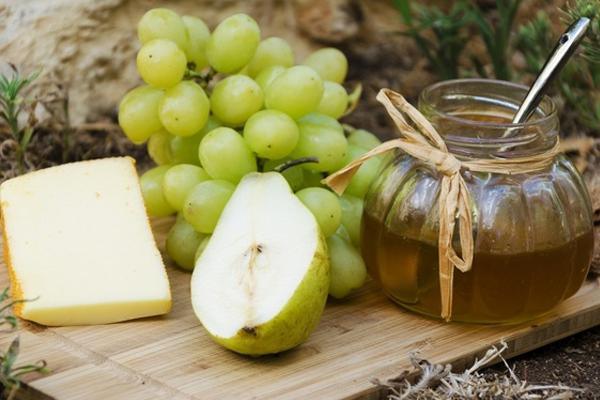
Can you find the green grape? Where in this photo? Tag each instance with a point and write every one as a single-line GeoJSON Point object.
{"type": "Point", "coordinates": [268, 75]}
{"type": "Point", "coordinates": [348, 271]}
{"type": "Point", "coordinates": [343, 232]}
{"type": "Point", "coordinates": [205, 203]}
{"type": "Point", "coordinates": [312, 178]}
{"type": "Point", "coordinates": [293, 175]}
{"type": "Point", "coordinates": [184, 109]}
{"type": "Point", "coordinates": [154, 199]}
{"type": "Point", "coordinates": [364, 139]}
{"type": "Point", "coordinates": [334, 101]}
{"type": "Point", "coordinates": [323, 137]}
{"type": "Point", "coordinates": [352, 209]}
{"type": "Point", "coordinates": [138, 113]}
{"type": "Point", "coordinates": [182, 243]}
{"type": "Point", "coordinates": [354, 152]}
{"type": "Point", "coordinates": [235, 99]}
{"type": "Point", "coordinates": [225, 155]}
{"type": "Point", "coordinates": [158, 147]}
{"type": "Point", "coordinates": [243, 71]}
{"type": "Point", "coordinates": [162, 23]}
{"type": "Point", "coordinates": [296, 92]}
{"type": "Point", "coordinates": [161, 63]}
{"type": "Point", "coordinates": [361, 181]}
{"type": "Point", "coordinates": [271, 134]}
{"type": "Point", "coordinates": [325, 206]}
{"type": "Point", "coordinates": [198, 35]}
{"type": "Point", "coordinates": [201, 247]}
{"type": "Point", "coordinates": [179, 180]}
{"type": "Point", "coordinates": [270, 52]}
{"type": "Point", "coordinates": [184, 150]}
{"type": "Point", "coordinates": [331, 64]}
{"type": "Point", "coordinates": [233, 43]}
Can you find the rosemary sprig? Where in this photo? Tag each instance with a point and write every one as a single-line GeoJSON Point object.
{"type": "Point", "coordinates": [6, 318]}
{"type": "Point", "coordinates": [579, 82]}
{"type": "Point", "coordinates": [534, 40]}
{"type": "Point", "coordinates": [445, 47]}
{"type": "Point", "coordinates": [10, 373]}
{"type": "Point", "coordinates": [12, 104]}
{"type": "Point", "coordinates": [576, 9]}
{"type": "Point", "coordinates": [496, 36]}
{"type": "Point", "coordinates": [450, 37]}
{"type": "Point", "coordinates": [440, 36]}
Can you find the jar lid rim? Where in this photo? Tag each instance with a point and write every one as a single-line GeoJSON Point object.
{"type": "Point", "coordinates": [548, 115]}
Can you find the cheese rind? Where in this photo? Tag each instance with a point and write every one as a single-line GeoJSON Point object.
{"type": "Point", "coordinates": [78, 244]}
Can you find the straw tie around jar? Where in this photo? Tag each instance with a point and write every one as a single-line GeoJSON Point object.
{"type": "Point", "coordinates": [420, 139]}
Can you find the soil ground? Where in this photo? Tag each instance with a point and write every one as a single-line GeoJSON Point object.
{"type": "Point", "coordinates": [573, 361]}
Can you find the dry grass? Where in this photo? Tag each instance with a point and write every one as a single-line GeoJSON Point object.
{"type": "Point", "coordinates": [436, 381]}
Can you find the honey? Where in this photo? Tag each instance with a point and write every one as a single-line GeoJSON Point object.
{"type": "Point", "coordinates": [499, 288]}
{"type": "Point", "coordinates": [532, 229]}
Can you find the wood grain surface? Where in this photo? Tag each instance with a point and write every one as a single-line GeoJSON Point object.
{"type": "Point", "coordinates": [358, 340]}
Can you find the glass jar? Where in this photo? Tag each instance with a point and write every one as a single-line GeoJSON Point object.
{"type": "Point", "coordinates": [532, 231]}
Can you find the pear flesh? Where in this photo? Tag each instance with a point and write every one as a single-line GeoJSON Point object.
{"type": "Point", "coordinates": [261, 283]}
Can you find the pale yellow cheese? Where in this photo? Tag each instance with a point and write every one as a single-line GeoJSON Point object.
{"type": "Point", "coordinates": [77, 242]}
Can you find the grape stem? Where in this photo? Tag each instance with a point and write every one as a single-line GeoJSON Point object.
{"type": "Point", "coordinates": [292, 163]}
{"type": "Point", "coordinates": [202, 78]}
{"type": "Point", "coordinates": [348, 129]}
{"type": "Point", "coordinates": [353, 99]}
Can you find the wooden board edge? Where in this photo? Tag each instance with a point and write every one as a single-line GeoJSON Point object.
{"type": "Point", "coordinates": [27, 392]}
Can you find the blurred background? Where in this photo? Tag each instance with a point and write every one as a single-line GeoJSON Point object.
{"type": "Point", "coordinates": [86, 50]}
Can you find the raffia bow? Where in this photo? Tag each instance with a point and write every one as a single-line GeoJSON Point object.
{"type": "Point", "coordinates": [420, 139]}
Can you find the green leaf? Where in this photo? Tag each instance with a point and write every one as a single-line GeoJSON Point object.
{"type": "Point", "coordinates": [11, 105]}
{"type": "Point", "coordinates": [479, 67]}
{"type": "Point", "coordinates": [404, 7]}
{"type": "Point", "coordinates": [10, 357]}
{"type": "Point", "coordinates": [4, 295]}
{"type": "Point", "coordinates": [11, 320]}
{"type": "Point", "coordinates": [496, 36]}
{"type": "Point", "coordinates": [39, 367]}
{"type": "Point", "coordinates": [576, 9]}
{"type": "Point", "coordinates": [26, 138]}
{"type": "Point", "coordinates": [485, 29]}
{"type": "Point", "coordinates": [10, 373]}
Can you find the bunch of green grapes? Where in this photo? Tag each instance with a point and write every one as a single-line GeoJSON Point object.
{"type": "Point", "coordinates": [217, 106]}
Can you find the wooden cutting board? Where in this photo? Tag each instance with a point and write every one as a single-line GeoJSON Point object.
{"type": "Point", "coordinates": [362, 338]}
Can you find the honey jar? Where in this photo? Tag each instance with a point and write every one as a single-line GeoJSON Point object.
{"type": "Point", "coordinates": [532, 231]}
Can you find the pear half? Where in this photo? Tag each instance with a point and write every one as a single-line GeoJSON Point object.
{"type": "Point", "coordinates": [261, 283]}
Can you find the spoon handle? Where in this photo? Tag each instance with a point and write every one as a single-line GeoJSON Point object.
{"type": "Point", "coordinates": [563, 50]}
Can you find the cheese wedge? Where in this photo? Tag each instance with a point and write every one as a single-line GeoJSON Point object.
{"type": "Point", "coordinates": [78, 244]}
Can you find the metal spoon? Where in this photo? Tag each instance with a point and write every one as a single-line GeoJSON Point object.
{"type": "Point", "coordinates": [563, 50]}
